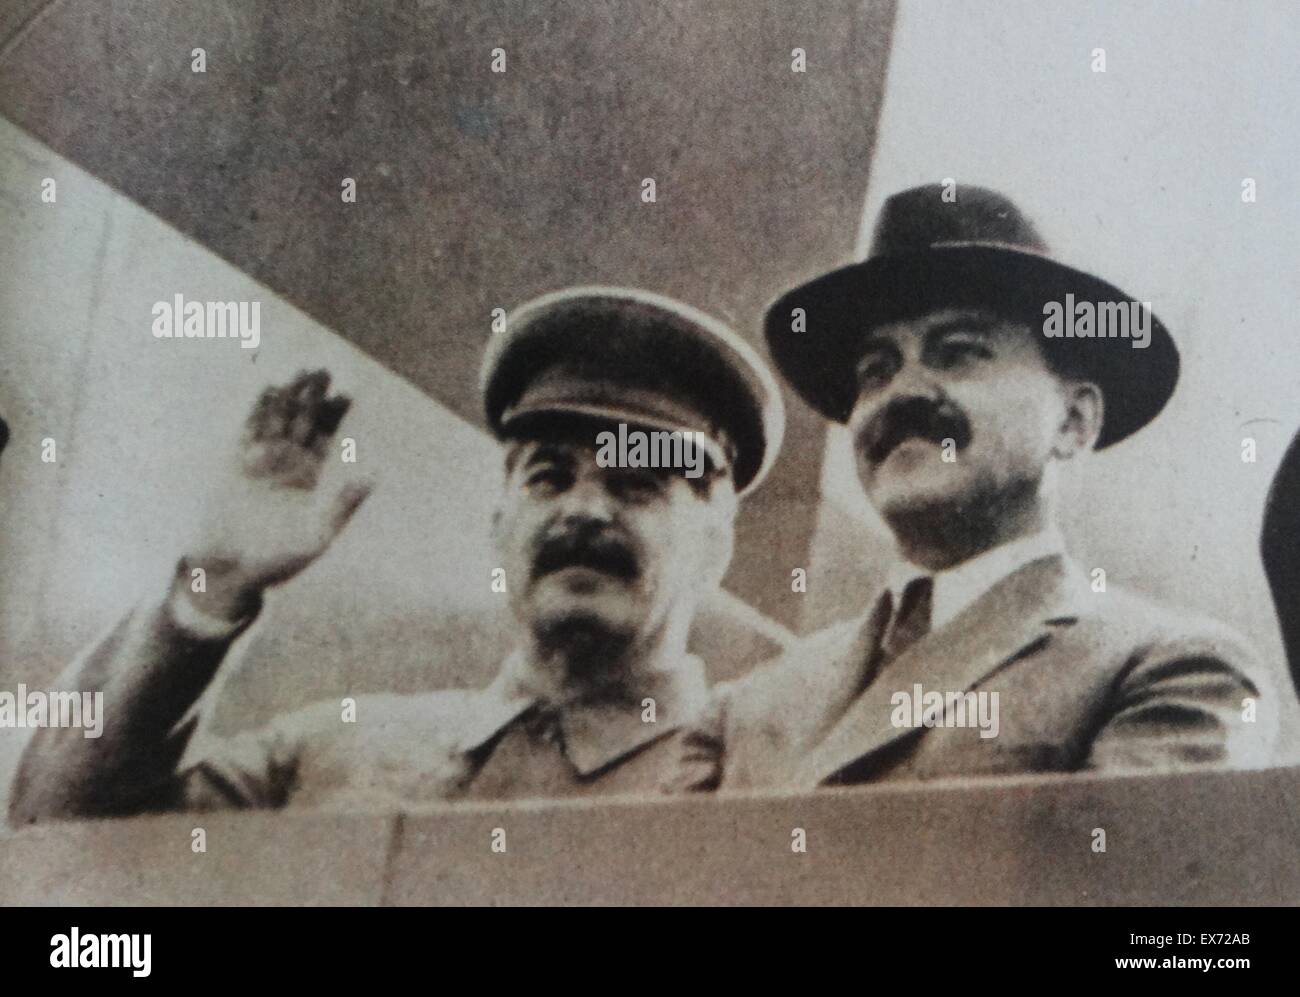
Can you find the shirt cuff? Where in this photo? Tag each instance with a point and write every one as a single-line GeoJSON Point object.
{"type": "Point", "coordinates": [205, 626]}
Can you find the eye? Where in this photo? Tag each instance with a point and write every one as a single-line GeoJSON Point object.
{"type": "Point", "coordinates": [960, 351]}
{"type": "Point", "coordinates": [547, 479]}
{"type": "Point", "coordinates": [636, 485]}
{"type": "Point", "coordinates": [875, 370]}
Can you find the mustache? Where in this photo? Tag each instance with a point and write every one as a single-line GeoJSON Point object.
{"type": "Point", "coordinates": [583, 548]}
{"type": "Point", "coordinates": [911, 418]}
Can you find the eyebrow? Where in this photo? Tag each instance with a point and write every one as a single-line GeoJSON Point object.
{"type": "Point", "coordinates": [977, 324]}
{"type": "Point", "coordinates": [549, 453]}
{"type": "Point", "coordinates": [980, 325]}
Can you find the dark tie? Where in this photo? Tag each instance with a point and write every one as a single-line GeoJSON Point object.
{"type": "Point", "coordinates": [898, 628]}
{"type": "Point", "coordinates": [912, 620]}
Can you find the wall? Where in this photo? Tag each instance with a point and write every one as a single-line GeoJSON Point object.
{"type": "Point", "coordinates": [1033, 840]}
{"type": "Point", "coordinates": [477, 189]}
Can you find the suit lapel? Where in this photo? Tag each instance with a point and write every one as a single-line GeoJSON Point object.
{"type": "Point", "coordinates": [995, 628]}
{"type": "Point", "coordinates": [831, 693]}
{"type": "Point", "coordinates": [816, 682]}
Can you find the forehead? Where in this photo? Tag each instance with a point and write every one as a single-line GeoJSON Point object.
{"type": "Point", "coordinates": [935, 324]}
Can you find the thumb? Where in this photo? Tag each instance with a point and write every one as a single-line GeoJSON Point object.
{"type": "Point", "coordinates": [347, 501]}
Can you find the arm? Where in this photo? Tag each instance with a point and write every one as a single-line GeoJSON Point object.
{"type": "Point", "coordinates": [151, 668]}
{"type": "Point", "coordinates": [1184, 704]}
{"type": "Point", "coordinates": [272, 520]}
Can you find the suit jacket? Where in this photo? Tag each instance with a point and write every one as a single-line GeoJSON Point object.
{"type": "Point", "coordinates": [1085, 680]}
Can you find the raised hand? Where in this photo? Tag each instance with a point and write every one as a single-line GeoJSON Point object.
{"type": "Point", "coordinates": [272, 517]}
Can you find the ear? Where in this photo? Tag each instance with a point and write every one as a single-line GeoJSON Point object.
{"type": "Point", "coordinates": [498, 507]}
{"type": "Point", "coordinates": [1084, 412]}
{"type": "Point", "coordinates": [513, 452]}
{"type": "Point", "coordinates": [720, 544]}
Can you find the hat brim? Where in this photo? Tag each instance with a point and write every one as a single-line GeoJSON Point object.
{"type": "Point", "coordinates": [840, 307]}
{"type": "Point", "coordinates": [635, 340]}
{"type": "Point", "coordinates": [525, 419]}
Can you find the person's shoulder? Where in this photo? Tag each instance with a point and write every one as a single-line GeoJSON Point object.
{"type": "Point", "coordinates": [1129, 630]}
{"type": "Point", "coordinates": [1143, 621]}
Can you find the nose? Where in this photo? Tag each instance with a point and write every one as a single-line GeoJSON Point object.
{"type": "Point", "coordinates": [915, 380]}
{"type": "Point", "coordinates": [912, 380]}
{"type": "Point", "coordinates": [586, 501]}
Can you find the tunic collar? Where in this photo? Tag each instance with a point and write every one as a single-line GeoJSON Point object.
{"type": "Point", "coordinates": [596, 733]}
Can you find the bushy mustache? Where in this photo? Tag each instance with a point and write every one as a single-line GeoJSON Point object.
{"type": "Point", "coordinates": [587, 547]}
{"type": "Point", "coordinates": [911, 418]}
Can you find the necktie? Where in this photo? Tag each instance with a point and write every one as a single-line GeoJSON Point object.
{"type": "Point", "coordinates": [911, 621]}
{"type": "Point", "coordinates": [898, 627]}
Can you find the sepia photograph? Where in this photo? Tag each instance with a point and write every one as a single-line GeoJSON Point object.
{"type": "Point", "coordinates": [650, 453]}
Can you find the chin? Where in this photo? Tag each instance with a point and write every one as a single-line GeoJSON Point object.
{"type": "Point", "coordinates": [597, 617]}
{"type": "Point", "coordinates": [910, 493]}
{"type": "Point", "coordinates": [591, 642]}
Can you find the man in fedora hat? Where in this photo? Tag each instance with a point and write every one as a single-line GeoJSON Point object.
{"type": "Point", "coordinates": [987, 651]}
{"type": "Point", "coordinates": [607, 556]}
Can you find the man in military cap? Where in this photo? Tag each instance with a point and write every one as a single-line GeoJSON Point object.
{"type": "Point", "coordinates": [987, 651]}
{"type": "Point", "coordinates": [605, 565]}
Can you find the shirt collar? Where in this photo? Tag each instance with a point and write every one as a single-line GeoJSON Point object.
{"type": "Point", "coordinates": [959, 586]}
{"type": "Point", "coordinates": [595, 733]}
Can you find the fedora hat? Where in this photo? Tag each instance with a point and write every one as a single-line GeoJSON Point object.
{"type": "Point", "coordinates": [978, 250]}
